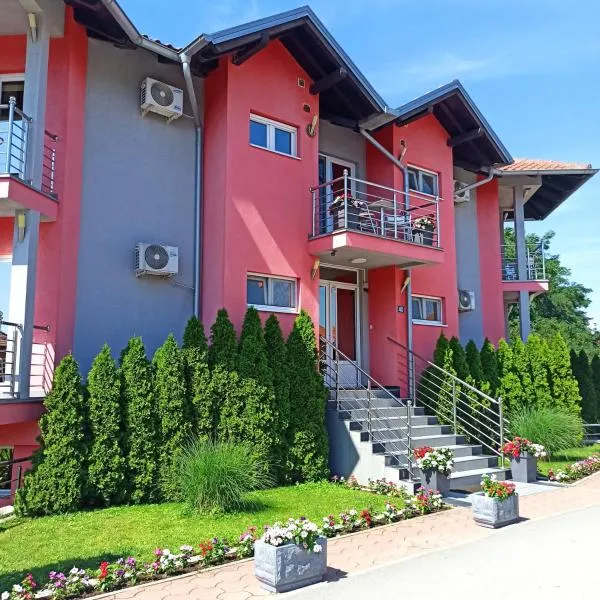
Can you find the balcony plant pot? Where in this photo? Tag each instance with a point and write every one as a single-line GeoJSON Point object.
{"type": "Point", "coordinates": [423, 237]}
{"type": "Point", "coordinates": [288, 567]}
{"type": "Point", "coordinates": [493, 512]}
{"type": "Point", "coordinates": [524, 468]}
{"type": "Point", "coordinates": [435, 481]}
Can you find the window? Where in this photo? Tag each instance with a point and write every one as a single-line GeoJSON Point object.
{"type": "Point", "coordinates": [272, 293]}
{"type": "Point", "coordinates": [6, 454]}
{"type": "Point", "coordinates": [427, 310]}
{"type": "Point", "coordinates": [423, 181]}
{"type": "Point", "coordinates": [273, 136]}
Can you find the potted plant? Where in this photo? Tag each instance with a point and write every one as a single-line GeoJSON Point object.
{"type": "Point", "coordinates": [523, 456]}
{"type": "Point", "coordinates": [435, 465]}
{"type": "Point", "coordinates": [290, 555]}
{"type": "Point", "coordinates": [497, 504]}
{"type": "Point", "coordinates": [423, 229]}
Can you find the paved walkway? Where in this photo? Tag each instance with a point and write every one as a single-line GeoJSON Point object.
{"type": "Point", "coordinates": [365, 550]}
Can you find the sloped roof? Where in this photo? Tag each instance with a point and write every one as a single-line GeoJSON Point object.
{"type": "Point", "coordinates": [524, 165]}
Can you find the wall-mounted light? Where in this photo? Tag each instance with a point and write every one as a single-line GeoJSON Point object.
{"type": "Point", "coordinates": [21, 225]}
{"type": "Point", "coordinates": [405, 285]}
{"type": "Point", "coordinates": [311, 128]}
{"type": "Point", "coordinates": [315, 268]}
{"type": "Point", "coordinates": [32, 20]}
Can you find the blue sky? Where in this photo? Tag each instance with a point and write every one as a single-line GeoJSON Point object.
{"type": "Point", "coordinates": [532, 66]}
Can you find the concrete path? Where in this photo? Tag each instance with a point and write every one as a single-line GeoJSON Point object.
{"type": "Point", "coordinates": [435, 553]}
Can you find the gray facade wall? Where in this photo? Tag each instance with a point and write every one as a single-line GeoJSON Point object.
{"type": "Point", "coordinates": [341, 142]}
{"type": "Point", "coordinates": [138, 186]}
{"type": "Point", "coordinates": [468, 266]}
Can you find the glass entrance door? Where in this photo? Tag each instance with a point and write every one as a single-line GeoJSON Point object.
{"type": "Point", "coordinates": [338, 322]}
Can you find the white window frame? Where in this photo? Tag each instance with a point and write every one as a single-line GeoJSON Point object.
{"type": "Point", "coordinates": [422, 299]}
{"type": "Point", "coordinates": [271, 127]}
{"type": "Point", "coordinates": [420, 172]}
{"type": "Point", "coordinates": [270, 307]}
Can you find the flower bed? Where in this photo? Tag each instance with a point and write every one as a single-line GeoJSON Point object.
{"type": "Point", "coordinates": [125, 572]}
{"type": "Point", "coordinates": [519, 446]}
{"type": "Point", "coordinates": [577, 470]}
{"type": "Point", "coordinates": [492, 488]}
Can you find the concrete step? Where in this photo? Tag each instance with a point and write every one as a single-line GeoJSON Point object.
{"type": "Point", "coordinates": [386, 423]}
{"type": "Point", "coordinates": [470, 481]}
{"type": "Point", "coordinates": [383, 435]}
{"type": "Point", "coordinates": [362, 401]}
{"type": "Point", "coordinates": [460, 451]}
{"type": "Point", "coordinates": [438, 441]}
{"type": "Point", "coordinates": [354, 412]}
{"type": "Point", "coordinates": [472, 463]}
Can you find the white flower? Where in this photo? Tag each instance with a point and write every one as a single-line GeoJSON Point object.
{"type": "Point", "coordinates": [5, 596]}
{"type": "Point", "coordinates": [317, 548]}
{"type": "Point", "coordinates": [17, 588]}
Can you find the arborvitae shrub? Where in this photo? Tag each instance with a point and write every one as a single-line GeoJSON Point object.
{"type": "Point", "coordinates": [278, 362]}
{"type": "Point", "coordinates": [538, 355]}
{"type": "Point", "coordinates": [563, 386]}
{"type": "Point", "coordinates": [141, 423]}
{"type": "Point", "coordinates": [520, 368]}
{"type": "Point", "coordinates": [57, 480]}
{"type": "Point", "coordinates": [459, 359]}
{"type": "Point", "coordinates": [308, 456]}
{"type": "Point", "coordinates": [474, 363]}
{"type": "Point", "coordinates": [489, 364]}
{"type": "Point", "coordinates": [175, 429]}
{"type": "Point", "coordinates": [596, 379]}
{"type": "Point", "coordinates": [197, 376]}
{"type": "Point", "coordinates": [252, 360]}
{"type": "Point", "coordinates": [441, 346]}
{"type": "Point", "coordinates": [223, 344]}
{"type": "Point", "coordinates": [510, 389]}
{"type": "Point", "coordinates": [106, 465]}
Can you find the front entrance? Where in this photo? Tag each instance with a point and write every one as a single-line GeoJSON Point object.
{"type": "Point", "coordinates": [339, 320]}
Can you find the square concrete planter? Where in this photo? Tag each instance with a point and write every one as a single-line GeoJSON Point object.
{"type": "Point", "coordinates": [494, 513]}
{"type": "Point", "coordinates": [288, 567]}
{"type": "Point", "coordinates": [524, 468]}
{"type": "Point", "coordinates": [435, 481]}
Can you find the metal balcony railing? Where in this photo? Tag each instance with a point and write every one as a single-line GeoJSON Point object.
{"type": "Point", "coordinates": [535, 263]}
{"type": "Point", "coordinates": [15, 156]}
{"type": "Point", "coordinates": [347, 203]}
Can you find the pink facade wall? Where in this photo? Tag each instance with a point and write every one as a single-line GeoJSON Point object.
{"type": "Point", "coordinates": [490, 261]}
{"type": "Point", "coordinates": [257, 213]}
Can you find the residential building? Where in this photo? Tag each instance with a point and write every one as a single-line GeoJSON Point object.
{"type": "Point", "coordinates": [286, 182]}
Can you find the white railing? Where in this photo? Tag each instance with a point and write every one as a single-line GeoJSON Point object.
{"type": "Point", "coordinates": [15, 133]}
{"type": "Point", "coordinates": [347, 203]}
{"type": "Point", "coordinates": [535, 263]}
{"type": "Point", "coordinates": [42, 362]}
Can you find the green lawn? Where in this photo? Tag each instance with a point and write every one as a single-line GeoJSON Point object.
{"type": "Point", "coordinates": [85, 538]}
{"type": "Point", "coordinates": [567, 457]}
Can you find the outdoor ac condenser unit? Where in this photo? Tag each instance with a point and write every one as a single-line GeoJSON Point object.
{"type": "Point", "coordinates": [156, 259]}
{"type": "Point", "coordinates": [459, 194]}
{"type": "Point", "coordinates": [466, 300]}
{"type": "Point", "coordinates": [161, 98]}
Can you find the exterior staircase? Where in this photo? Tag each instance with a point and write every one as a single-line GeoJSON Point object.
{"type": "Point", "coordinates": [373, 431]}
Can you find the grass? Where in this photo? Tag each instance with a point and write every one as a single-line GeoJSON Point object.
{"type": "Point", "coordinates": [86, 538]}
{"type": "Point", "coordinates": [559, 460]}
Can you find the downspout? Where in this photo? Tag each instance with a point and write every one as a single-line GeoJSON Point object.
{"type": "Point", "coordinates": [409, 325]}
{"type": "Point", "coordinates": [492, 172]}
{"type": "Point", "coordinates": [187, 74]}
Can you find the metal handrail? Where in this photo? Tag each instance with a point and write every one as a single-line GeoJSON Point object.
{"type": "Point", "coordinates": [535, 262]}
{"type": "Point", "coordinates": [404, 441]}
{"type": "Point", "coordinates": [468, 405]}
{"type": "Point", "coordinates": [19, 477]}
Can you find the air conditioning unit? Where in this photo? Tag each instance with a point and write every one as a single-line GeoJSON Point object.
{"type": "Point", "coordinates": [459, 194]}
{"type": "Point", "coordinates": [466, 300]}
{"type": "Point", "coordinates": [156, 259]}
{"type": "Point", "coordinates": [161, 98]}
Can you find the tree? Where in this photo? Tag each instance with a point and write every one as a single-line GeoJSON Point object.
{"type": "Point", "coordinates": [252, 360]}
{"type": "Point", "coordinates": [474, 365]}
{"type": "Point", "coordinates": [141, 423]}
{"type": "Point", "coordinates": [510, 388]}
{"type": "Point", "coordinates": [439, 353]}
{"type": "Point", "coordinates": [106, 460]}
{"type": "Point", "coordinates": [57, 480]}
{"type": "Point", "coordinates": [308, 456]}
{"type": "Point", "coordinates": [223, 343]}
{"type": "Point", "coordinates": [175, 428]}
{"type": "Point", "coordinates": [521, 369]}
{"type": "Point", "coordinates": [582, 372]}
{"type": "Point", "coordinates": [564, 388]}
{"type": "Point", "coordinates": [538, 356]}
{"type": "Point", "coordinates": [489, 365]}
{"type": "Point", "coordinates": [278, 362]}
{"type": "Point", "coordinates": [200, 400]}
{"type": "Point", "coordinates": [459, 359]}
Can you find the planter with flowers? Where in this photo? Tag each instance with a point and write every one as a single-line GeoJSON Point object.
{"type": "Point", "coordinates": [423, 229]}
{"type": "Point", "coordinates": [290, 556]}
{"type": "Point", "coordinates": [435, 465]}
{"type": "Point", "coordinates": [497, 504]}
{"type": "Point", "coordinates": [523, 456]}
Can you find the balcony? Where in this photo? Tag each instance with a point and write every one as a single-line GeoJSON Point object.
{"type": "Point", "coordinates": [358, 222]}
{"type": "Point", "coordinates": [535, 280]}
{"type": "Point", "coordinates": [17, 190]}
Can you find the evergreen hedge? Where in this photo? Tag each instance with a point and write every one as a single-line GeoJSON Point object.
{"type": "Point", "coordinates": [582, 372]}
{"type": "Point", "coordinates": [473, 358]}
{"type": "Point", "coordinates": [489, 365]}
{"type": "Point", "coordinates": [223, 343]}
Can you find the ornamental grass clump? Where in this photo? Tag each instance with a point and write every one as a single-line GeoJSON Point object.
{"type": "Point", "coordinates": [555, 429]}
{"type": "Point", "coordinates": [215, 476]}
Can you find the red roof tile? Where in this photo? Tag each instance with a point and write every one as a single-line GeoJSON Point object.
{"type": "Point", "coordinates": [533, 164]}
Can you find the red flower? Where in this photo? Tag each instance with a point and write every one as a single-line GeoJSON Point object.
{"type": "Point", "coordinates": [419, 453]}
{"type": "Point", "coordinates": [103, 569]}
{"type": "Point", "coordinates": [205, 548]}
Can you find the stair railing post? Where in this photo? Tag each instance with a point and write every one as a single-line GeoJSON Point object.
{"type": "Point", "coordinates": [501, 417]}
{"type": "Point", "coordinates": [454, 410]}
{"type": "Point", "coordinates": [369, 425]}
{"type": "Point", "coordinates": [314, 212]}
{"type": "Point", "coordinates": [337, 376]}
{"type": "Point", "coordinates": [345, 198]}
{"type": "Point", "coordinates": [12, 103]}
{"type": "Point", "coordinates": [19, 474]}
{"type": "Point", "coordinates": [409, 405]}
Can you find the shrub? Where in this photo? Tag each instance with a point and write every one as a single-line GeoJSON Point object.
{"type": "Point", "coordinates": [538, 356]}
{"type": "Point", "coordinates": [582, 372]}
{"type": "Point", "coordinates": [204, 414]}
{"type": "Point", "coordinates": [223, 344]}
{"type": "Point", "coordinates": [309, 449]}
{"type": "Point", "coordinates": [141, 424]}
{"type": "Point", "coordinates": [213, 477]}
{"type": "Point", "coordinates": [56, 481]}
{"type": "Point", "coordinates": [489, 365]}
{"type": "Point", "coordinates": [564, 388]}
{"type": "Point", "coordinates": [474, 363]}
{"type": "Point", "coordinates": [459, 359]}
{"type": "Point", "coordinates": [252, 358]}
{"type": "Point", "coordinates": [519, 366]}
{"type": "Point", "coordinates": [596, 379]}
{"type": "Point", "coordinates": [555, 429]}
{"type": "Point", "coordinates": [106, 465]}
{"type": "Point", "coordinates": [173, 415]}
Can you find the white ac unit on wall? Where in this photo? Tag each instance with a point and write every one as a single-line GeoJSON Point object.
{"type": "Point", "coordinates": [161, 98]}
{"type": "Point", "coordinates": [156, 259]}
{"type": "Point", "coordinates": [466, 300]}
{"type": "Point", "coordinates": [459, 194]}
